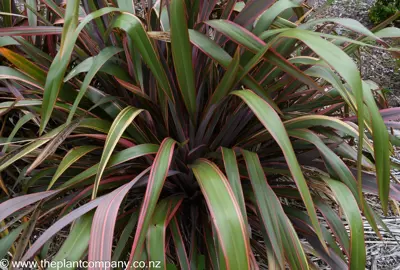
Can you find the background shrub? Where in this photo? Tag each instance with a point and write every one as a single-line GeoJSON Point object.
{"type": "Point", "coordinates": [383, 9]}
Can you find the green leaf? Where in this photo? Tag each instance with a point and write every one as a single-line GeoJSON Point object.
{"type": "Point", "coordinates": [7, 7]}
{"type": "Point", "coordinates": [7, 241]}
{"type": "Point", "coordinates": [8, 73]}
{"type": "Point", "coordinates": [127, 5]}
{"type": "Point", "coordinates": [59, 65]}
{"type": "Point", "coordinates": [155, 183]}
{"type": "Point", "coordinates": [156, 235]}
{"type": "Point", "coordinates": [307, 121]}
{"type": "Point", "coordinates": [346, 22]}
{"type": "Point", "coordinates": [227, 81]}
{"type": "Point", "coordinates": [22, 121]}
{"type": "Point", "coordinates": [82, 67]}
{"type": "Point", "coordinates": [179, 244]}
{"type": "Point", "coordinates": [266, 204]}
{"type": "Point", "coordinates": [346, 67]}
{"type": "Point", "coordinates": [134, 28]}
{"type": "Point", "coordinates": [349, 206]}
{"type": "Point", "coordinates": [15, 155]}
{"type": "Point", "coordinates": [271, 121]}
{"type": "Point", "coordinates": [25, 65]}
{"type": "Point", "coordinates": [266, 19]}
{"type": "Point", "coordinates": [123, 120]}
{"type": "Point", "coordinates": [225, 213]}
{"type": "Point", "coordinates": [389, 32]}
{"type": "Point", "coordinates": [274, 220]}
{"type": "Point", "coordinates": [381, 145]}
{"type": "Point", "coordinates": [97, 124]}
{"type": "Point", "coordinates": [211, 240]}
{"type": "Point", "coordinates": [98, 62]}
{"type": "Point", "coordinates": [70, 158]}
{"type": "Point", "coordinates": [32, 18]}
{"type": "Point", "coordinates": [232, 172]}
{"type": "Point", "coordinates": [116, 159]}
{"type": "Point", "coordinates": [76, 244]}
{"type": "Point", "coordinates": [182, 55]}
{"type": "Point", "coordinates": [8, 41]}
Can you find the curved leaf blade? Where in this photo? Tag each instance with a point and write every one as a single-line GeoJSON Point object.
{"type": "Point", "coordinates": [98, 62]}
{"type": "Point", "coordinates": [70, 158]}
{"type": "Point", "coordinates": [140, 40]}
{"type": "Point", "coordinates": [59, 65]}
{"type": "Point", "coordinates": [116, 159]}
{"type": "Point", "coordinates": [349, 206]}
{"type": "Point", "coordinates": [12, 205]}
{"type": "Point", "coordinates": [226, 214]}
{"type": "Point", "coordinates": [179, 244]}
{"type": "Point", "coordinates": [282, 236]}
{"type": "Point", "coordinates": [381, 145]}
{"type": "Point", "coordinates": [156, 235]}
{"type": "Point", "coordinates": [75, 246]}
{"type": "Point", "coordinates": [123, 120]}
{"type": "Point", "coordinates": [232, 172]}
{"type": "Point", "coordinates": [158, 174]}
{"type": "Point", "coordinates": [102, 232]}
{"type": "Point", "coordinates": [71, 31]}
{"type": "Point", "coordinates": [182, 54]}
{"type": "Point", "coordinates": [58, 225]}
{"type": "Point", "coordinates": [271, 121]}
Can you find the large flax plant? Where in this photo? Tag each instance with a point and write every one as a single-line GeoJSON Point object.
{"type": "Point", "coordinates": [202, 134]}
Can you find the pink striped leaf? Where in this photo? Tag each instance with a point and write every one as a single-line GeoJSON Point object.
{"type": "Point", "coordinates": [158, 174]}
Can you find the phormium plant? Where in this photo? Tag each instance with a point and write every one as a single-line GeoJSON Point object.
{"type": "Point", "coordinates": [201, 134]}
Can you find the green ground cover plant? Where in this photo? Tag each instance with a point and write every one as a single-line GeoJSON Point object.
{"type": "Point", "coordinates": [383, 9]}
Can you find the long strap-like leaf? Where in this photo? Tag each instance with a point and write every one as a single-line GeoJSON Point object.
{"type": "Point", "coordinates": [123, 120]}
{"type": "Point", "coordinates": [72, 156]}
{"type": "Point", "coordinates": [182, 55]}
{"type": "Point", "coordinates": [156, 235]}
{"type": "Point", "coordinates": [349, 206]}
{"type": "Point", "coordinates": [271, 121]}
{"type": "Point", "coordinates": [226, 215]}
{"type": "Point", "coordinates": [140, 40]}
{"type": "Point", "coordinates": [102, 233]}
{"type": "Point", "coordinates": [55, 76]}
{"type": "Point", "coordinates": [12, 205]}
{"type": "Point", "coordinates": [56, 227]}
{"type": "Point", "coordinates": [281, 234]}
{"type": "Point", "coordinates": [118, 158]}
{"type": "Point", "coordinates": [155, 184]}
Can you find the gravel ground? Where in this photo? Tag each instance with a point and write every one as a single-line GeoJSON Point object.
{"type": "Point", "coordinates": [376, 65]}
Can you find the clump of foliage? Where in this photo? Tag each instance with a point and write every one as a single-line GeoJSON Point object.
{"type": "Point", "coordinates": [383, 9]}
{"type": "Point", "coordinates": [201, 134]}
